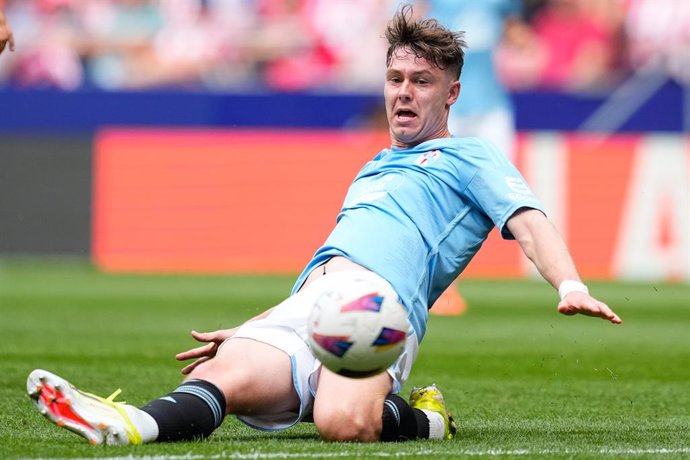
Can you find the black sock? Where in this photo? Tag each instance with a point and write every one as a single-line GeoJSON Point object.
{"type": "Point", "coordinates": [401, 422]}
{"type": "Point", "coordinates": [193, 411]}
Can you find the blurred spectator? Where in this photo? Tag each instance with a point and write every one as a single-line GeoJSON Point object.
{"type": "Point", "coordinates": [520, 57]}
{"type": "Point", "coordinates": [6, 36]}
{"type": "Point", "coordinates": [290, 52]}
{"type": "Point", "coordinates": [291, 45]}
{"type": "Point", "coordinates": [581, 42]}
{"type": "Point", "coordinates": [47, 58]}
{"type": "Point", "coordinates": [659, 36]}
{"type": "Point", "coordinates": [195, 45]}
{"type": "Point", "coordinates": [484, 108]}
{"type": "Point", "coordinates": [116, 42]}
{"type": "Point", "coordinates": [351, 32]}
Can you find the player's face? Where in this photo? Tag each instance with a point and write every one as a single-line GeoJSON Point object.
{"type": "Point", "coordinates": [418, 97]}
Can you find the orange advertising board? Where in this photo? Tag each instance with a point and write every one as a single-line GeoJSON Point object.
{"type": "Point", "coordinates": [263, 201]}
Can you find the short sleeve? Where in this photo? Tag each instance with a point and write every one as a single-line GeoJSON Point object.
{"type": "Point", "coordinates": [499, 191]}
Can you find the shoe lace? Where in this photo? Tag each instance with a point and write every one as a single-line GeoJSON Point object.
{"type": "Point", "coordinates": [132, 432]}
{"type": "Point", "coordinates": [110, 399]}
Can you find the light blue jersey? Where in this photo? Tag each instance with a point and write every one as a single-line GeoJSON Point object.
{"type": "Point", "coordinates": [417, 216]}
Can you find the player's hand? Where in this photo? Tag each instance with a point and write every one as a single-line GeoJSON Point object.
{"type": "Point", "coordinates": [584, 304]}
{"type": "Point", "coordinates": [6, 35]}
{"type": "Point", "coordinates": [204, 352]}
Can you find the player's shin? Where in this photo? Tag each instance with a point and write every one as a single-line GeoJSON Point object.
{"type": "Point", "coordinates": [192, 411]}
{"type": "Point", "coordinates": [401, 422]}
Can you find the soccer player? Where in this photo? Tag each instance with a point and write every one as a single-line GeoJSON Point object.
{"type": "Point", "coordinates": [6, 36]}
{"type": "Point", "coordinates": [415, 215]}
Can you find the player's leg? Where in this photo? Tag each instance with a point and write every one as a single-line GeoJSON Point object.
{"type": "Point", "coordinates": [365, 410]}
{"type": "Point", "coordinates": [255, 377]}
{"type": "Point", "coordinates": [229, 383]}
{"type": "Point", "coordinates": [99, 420]}
{"type": "Point", "coordinates": [246, 377]}
{"type": "Point", "coordinates": [347, 409]}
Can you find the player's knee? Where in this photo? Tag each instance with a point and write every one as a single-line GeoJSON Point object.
{"type": "Point", "coordinates": [233, 381]}
{"type": "Point", "coordinates": [346, 424]}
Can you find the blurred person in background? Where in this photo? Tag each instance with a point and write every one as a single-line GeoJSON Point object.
{"type": "Point", "coordinates": [580, 44]}
{"type": "Point", "coordinates": [658, 35]}
{"type": "Point", "coordinates": [47, 58]}
{"type": "Point", "coordinates": [351, 32]}
{"type": "Point", "coordinates": [116, 40]}
{"type": "Point", "coordinates": [130, 44]}
{"type": "Point", "coordinates": [520, 57]}
{"type": "Point", "coordinates": [6, 36]}
{"type": "Point", "coordinates": [484, 109]}
{"type": "Point", "coordinates": [197, 44]}
{"type": "Point", "coordinates": [290, 55]}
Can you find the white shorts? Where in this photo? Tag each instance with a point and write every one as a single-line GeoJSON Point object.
{"type": "Point", "coordinates": [286, 329]}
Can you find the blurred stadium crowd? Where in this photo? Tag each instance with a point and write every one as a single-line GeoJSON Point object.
{"type": "Point", "coordinates": [333, 45]}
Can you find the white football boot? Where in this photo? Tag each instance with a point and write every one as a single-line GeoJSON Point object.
{"type": "Point", "coordinates": [99, 420]}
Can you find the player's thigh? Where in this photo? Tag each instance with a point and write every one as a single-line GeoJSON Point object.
{"type": "Point", "coordinates": [256, 378]}
{"type": "Point", "coordinates": [349, 409]}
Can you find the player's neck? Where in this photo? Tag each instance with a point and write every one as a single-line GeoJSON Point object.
{"type": "Point", "coordinates": [402, 145]}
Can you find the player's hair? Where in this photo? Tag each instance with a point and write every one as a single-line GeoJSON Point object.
{"type": "Point", "coordinates": [427, 39]}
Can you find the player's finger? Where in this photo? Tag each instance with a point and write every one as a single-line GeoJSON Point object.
{"type": "Point", "coordinates": [201, 336]}
{"type": "Point", "coordinates": [11, 42]}
{"type": "Point", "coordinates": [600, 310]}
{"type": "Point", "coordinates": [607, 313]}
{"type": "Point", "coordinates": [190, 367]}
{"type": "Point", "coordinates": [215, 336]}
{"type": "Point", "coordinates": [203, 350]}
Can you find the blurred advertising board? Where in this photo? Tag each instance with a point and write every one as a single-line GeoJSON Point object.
{"type": "Point", "coordinates": [260, 201]}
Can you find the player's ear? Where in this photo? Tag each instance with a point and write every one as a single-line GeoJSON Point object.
{"type": "Point", "coordinates": [454, 92]}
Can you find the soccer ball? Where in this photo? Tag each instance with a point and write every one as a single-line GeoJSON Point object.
{"type": "Point", "coordinates": [357, 326]}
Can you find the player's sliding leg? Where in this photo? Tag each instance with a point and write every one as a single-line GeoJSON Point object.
{"type": "Point", "coordinates": [246, 377]}
{"type": "Point", "coordinates": [347, 409]}
{"type": "Point", "coordinates": [99, 420]}
{"type": "Point", "coordinates": [429, 402]}
{"type": "Point", "coordinates": [364, 410]}
{"type": "Point", "coordinates": [424, 417]}
{"type": "Point", "coordinates": [192, 411]}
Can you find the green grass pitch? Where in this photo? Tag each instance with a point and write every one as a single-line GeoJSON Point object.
{"type": "Point", "coordinates": [524, 381]}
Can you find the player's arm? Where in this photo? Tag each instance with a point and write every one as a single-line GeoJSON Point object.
{"type": "Point", "coordinates": [543, 245]}
{"type": "Point", "coordinates": [212, 341]}
{"type": "Point", "coordinates": [6, 35]}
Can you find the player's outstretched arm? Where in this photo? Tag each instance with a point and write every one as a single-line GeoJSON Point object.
{"type": "Point", "coordinates": [543, 245]}
{"type": "Point", "coordinates": [6, 36]}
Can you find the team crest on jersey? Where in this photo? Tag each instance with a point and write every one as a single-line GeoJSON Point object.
{"type": "Point", "coordinates": [427, 157]}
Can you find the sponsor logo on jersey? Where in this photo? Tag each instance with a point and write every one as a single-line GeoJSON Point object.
{"type": "Point", "coordinates": [369, 189]}
{"type": "Point", "coordinates": [521, 191]}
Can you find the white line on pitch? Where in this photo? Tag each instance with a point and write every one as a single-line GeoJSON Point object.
{"type": "Point", "coordinates": [459, 453]}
